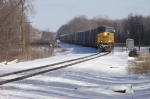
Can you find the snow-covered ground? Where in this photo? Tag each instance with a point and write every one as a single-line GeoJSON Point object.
{"type": "Point", "coordinates": [95, 79]}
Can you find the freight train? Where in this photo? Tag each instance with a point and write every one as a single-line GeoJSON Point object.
{"type": "Point", "coordinates": [101, 38]}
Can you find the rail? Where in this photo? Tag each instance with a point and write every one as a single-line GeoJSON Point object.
{"type": "Point", "coordinates": [47, 68]}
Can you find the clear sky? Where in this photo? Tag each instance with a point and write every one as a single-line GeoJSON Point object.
{"type": "Point", "coordinates": [53, 14]}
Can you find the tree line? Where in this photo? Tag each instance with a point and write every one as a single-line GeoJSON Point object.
{"type": "Point", "coordinates": [135, 26]}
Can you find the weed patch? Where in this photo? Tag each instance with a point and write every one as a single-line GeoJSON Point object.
{"type": "Point", "coordinates": [140, 66]}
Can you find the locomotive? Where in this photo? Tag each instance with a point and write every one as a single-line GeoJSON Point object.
{"type": "Point", "coordinates": [101, 38]}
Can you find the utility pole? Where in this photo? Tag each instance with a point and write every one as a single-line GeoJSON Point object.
{"type": "Point", "coordinates": [138, 25]}
{"type": "Point", "coordinates": [139, 29]}
{"type": "Point", "coordinates": [22, 34]}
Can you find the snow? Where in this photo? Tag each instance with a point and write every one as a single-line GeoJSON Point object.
{"type": "Point", "coordinates": [99, 78]}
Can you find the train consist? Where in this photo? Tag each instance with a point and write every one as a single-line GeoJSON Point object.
{"type": "Point", "coordinates": [101, 38]}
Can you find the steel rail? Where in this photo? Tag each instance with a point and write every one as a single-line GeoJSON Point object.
{"type": "Point", "coordinates": [40, 67]}
{"type": "Point", "coordinates": [52, 69]}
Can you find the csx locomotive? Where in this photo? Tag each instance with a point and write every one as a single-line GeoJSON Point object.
{"type": "Point", "coordinates": [101, 38]}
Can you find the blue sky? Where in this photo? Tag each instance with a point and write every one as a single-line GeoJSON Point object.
{"type": "Point", "coordinates": [53, 14]}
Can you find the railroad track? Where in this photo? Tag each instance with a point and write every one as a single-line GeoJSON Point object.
{"type": "Point", "coordinates": [23, 74]}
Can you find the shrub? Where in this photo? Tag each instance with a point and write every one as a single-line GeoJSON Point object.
{"type": "Point", "coordinates": [133, 53]}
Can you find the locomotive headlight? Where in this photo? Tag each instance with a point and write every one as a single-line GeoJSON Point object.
{"type": "Point", "coordinates": [105, 33]}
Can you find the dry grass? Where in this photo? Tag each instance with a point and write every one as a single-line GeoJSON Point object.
{"type": "Point", "coordinates": [32, 53]}
{"type": "Point", "coordinates": [35, 53]}
{"type": "Point", "coordinates": [38, 52]}
{"type": "Point", "coordinates": [141, 66]}
{"type": "Point", "coordinates": [8, 56]}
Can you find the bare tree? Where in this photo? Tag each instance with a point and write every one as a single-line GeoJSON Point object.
{"type": "Point", "coordinates": [12, 16]}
